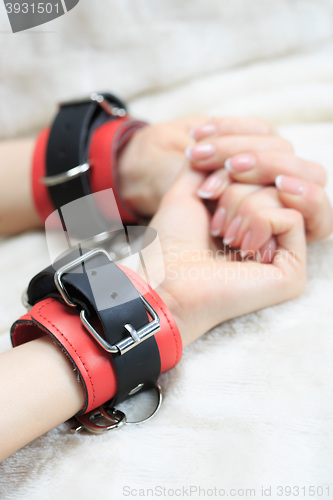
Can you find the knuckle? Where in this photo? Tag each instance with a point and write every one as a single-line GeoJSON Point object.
{"type": "Point", "coordinates": [249, 206]}
{"type": "Point", "coordinates": [229, 196]}
{"type": "Point", "coordinates": [315, 197]}
{"type": "Point", "coordinates": [297, 217]}
{"type": "Point", "coordinates": [284, 144]}
{"type": "Point", "coordinates": [321, 174]}
{"type": "Point", "coordinates": [263, 125]}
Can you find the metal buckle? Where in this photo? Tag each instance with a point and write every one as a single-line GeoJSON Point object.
{"type": "Point", "coordinates": [108, 108]}
{"type": "Point", "coordinates": [135, 337]}
{"type": "Point", "coordinates": [101, 101]}
{"type": "Point", "coordinates": [54, 180]}
{"type": "Point", "coordinates": [92, 421]}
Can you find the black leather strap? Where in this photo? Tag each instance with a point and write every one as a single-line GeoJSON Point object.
{"type": "Point", "coordinates": [68, 148]}
{"type": "Point", "coordinates": [110, 301]}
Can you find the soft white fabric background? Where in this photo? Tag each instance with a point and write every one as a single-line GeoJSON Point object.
{"type": "Point", "coordinates": [251, 402]}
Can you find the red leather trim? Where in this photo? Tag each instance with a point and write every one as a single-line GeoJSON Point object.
{"type": "Point", "coordinates": [91, 361]}
{"type": "Point", "coordinates": [105, 145]}
{"type": "Point", "coordinates": [64, 325]}
{"type": "Point", "coordinates": [41, 198]}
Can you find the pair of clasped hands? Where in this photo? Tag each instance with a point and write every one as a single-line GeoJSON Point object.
{"type": "Point", "coordinates": [232, 205]}
{"type": "Point", "coordinates": [235, 223]}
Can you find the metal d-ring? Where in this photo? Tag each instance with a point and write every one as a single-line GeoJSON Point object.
{"type": "Point", "coordinates": [117, 418]}
{"type": "Point", "coordinates": [158, 390]}
{"type": "Point", "coordinates": [89, 421]}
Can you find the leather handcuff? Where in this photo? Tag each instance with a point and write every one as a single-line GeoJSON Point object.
{"type": "Point", "coordinates": [77, 156]}
{"type": "Point", "coordinates": [116, 321]}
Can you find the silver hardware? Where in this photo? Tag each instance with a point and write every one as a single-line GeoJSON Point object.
{"type": "Point", "coordinates": [158, 390]}
{"type": "Point", "coordinates": [54, 180]}
{"type": "Point", "coordinates": [136, 389]}
{"type": "Point", "coordinates": [135, 337]}
{"type": "Point", "coordinates": [64, 269]}
{"type": "Point", "coordinates": [92, 422]}
{"type": "Point", "coordinates": [99, 99]}
{"type": "Point", "coordinates": [108, 108]}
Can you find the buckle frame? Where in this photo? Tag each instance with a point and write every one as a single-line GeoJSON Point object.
{"type": "Point", "coordinates": [106, 106]}
{"type": "Point", "coordinates": [73, 173]}
{"type": "Point", "coordinates": [135, 336]}
{"type": "Point", "coordinates": [99, 98]}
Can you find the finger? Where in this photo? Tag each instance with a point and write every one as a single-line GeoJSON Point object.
{"type": "Point", "coordinates": [175, 213]}
{"type": "Point", "coordinates": [262, 167]}
{"type": "Point", "coordinates": [254, 285]}
{"type": "Point", "coordinates": [239, 202]}
{"type": "Point", "coordinates": [227, 208]}
{"type": "Point", "coordinates": [266, 253]}
{"type": "Point", "coordinates": [311, 201]}
{"type": "Point", "coordinates": [258, 201]}
{"type": "Point", "coordinates": [214, 185]}
{"type": "Point", "coordinates": [231, 126]}
{"type": "Point", "coordinates": [212, 154]}
{"type": "Point", "coordinates": [269, 222]}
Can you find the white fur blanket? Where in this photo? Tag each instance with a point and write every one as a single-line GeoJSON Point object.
{"type": "Point", "coordinates": [250, 404]}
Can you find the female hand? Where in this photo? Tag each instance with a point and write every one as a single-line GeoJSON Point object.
{"type": "Point", "coordinates": [265, 160]}
{"type": "Point", "coordinates": [151, 161]}
{"type": "Point", "coordinates": [204, 285]}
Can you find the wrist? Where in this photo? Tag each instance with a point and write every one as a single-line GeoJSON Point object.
{"type": "Point", "coordinates": [179, 312]}
{"type": "Point", "coordinates": [133, 175]}
{"type": "Point", "coordinates": [17, 211]}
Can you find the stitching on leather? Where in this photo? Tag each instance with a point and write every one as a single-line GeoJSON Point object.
{"type": "Point", "coordinates": [161, 305]}
{"type": "Point", "coordinates": [49, 301]}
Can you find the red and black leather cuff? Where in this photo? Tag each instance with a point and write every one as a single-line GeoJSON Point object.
{"type": "Point", "coordinates": [77, 156]}
{"type": "Point", "coordinates": [137, 337]}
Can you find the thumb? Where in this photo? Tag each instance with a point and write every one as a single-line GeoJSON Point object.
{"type": "Point", "coordinates": [184, 188]}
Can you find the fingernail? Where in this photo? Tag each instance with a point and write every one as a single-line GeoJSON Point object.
{"type": "Point", "coordinates": [202, 132]}
{"type": "Point", "coordinates": [289, 185]}
{"type": "Point", "coordinates": [200, 152]}
{"type": "Point", "coordinates": [245, 246]}
{"type": "Point", "coordinates": [240, 163]}
{"type": "Point", "coordinates": [232, 230]}
{"type": "Point", "coordinates": [209, 187]}
{"type": "Point", "coordinates": [218, 221]}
